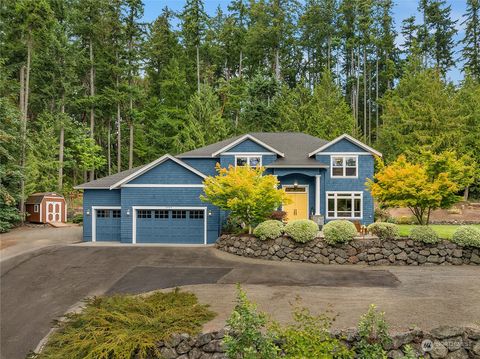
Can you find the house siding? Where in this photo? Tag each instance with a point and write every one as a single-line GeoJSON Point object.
{"type": "Point", "coordinates": [98, 198]}
{"type": "Point", "coordinates": [204, 165]}
{"type": "Point", "coordinates": [168, 172]}
{"type": "Point", "coordinates": [343, 146]}
{"type": "Point", "coordinates": [248, 146]}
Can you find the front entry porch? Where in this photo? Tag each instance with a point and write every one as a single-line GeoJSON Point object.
{"type": "Point", "coordinates": [304, 191]}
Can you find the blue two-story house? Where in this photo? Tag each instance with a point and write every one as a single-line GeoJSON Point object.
{"type": "Point", "coordinates": [159, 202]}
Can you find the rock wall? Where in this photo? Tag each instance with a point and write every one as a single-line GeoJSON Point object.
{"type": "Point", "coordinates": [359, 251]}
{"type": "Point", "coordinates": [443, 342]}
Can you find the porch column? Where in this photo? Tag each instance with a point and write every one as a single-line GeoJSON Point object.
{"type": "Point", "coordinates": [317, 194]}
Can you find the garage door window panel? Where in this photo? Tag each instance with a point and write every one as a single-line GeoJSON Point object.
{"type": "Point", "coordinates": [197, 214]}
{"type": "Point", "coordinates": [144, 214]}
{"type": "Point", "coordinates": [179, 214]}
{"type": "Point", "coordinates": [161, 214]}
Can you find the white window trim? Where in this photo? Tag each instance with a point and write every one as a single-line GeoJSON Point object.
{"type": "Point", "coordinates": [344, 156]}
{"type": "Point", "coordinates": [36, 208]}
{"type": "Point", "coordinates": [307, 191]}
{"type": "Point", "coordinates": [94, 218]}
{"type": "Point", "coordinates": [249, 155]}
{"type": "Point", "coordinates": [336, 193]}
{"type": "Point", "coordinates": [134, 219]}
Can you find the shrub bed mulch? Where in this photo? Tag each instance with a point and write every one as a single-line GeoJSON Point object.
{"type": "Point", "coordinates": [359, 251]}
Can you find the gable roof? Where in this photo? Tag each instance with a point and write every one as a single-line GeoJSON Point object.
{"type": "Point", "coordinates": [294, 147]}
{"type": "Point", "coordinates": [247, 137]}
{"type": "Point", "coordinates": [349, 138]}
{"type": "Point", "coordinates": [36, 198]}
{"type": "Point", "coordinates": [154, 164]}
{"type": "Point", "coordinates": [117, 179]}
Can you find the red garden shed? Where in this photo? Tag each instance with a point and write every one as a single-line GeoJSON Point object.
{"type": "Point", "coordinates": [46, 207]}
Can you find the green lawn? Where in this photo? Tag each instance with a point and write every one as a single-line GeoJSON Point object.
{"type": "Point", "coordinates": [443, 230]}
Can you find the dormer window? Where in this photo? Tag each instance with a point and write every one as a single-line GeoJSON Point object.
{"type": "Point", "coordinates": [252, 161]}
{"type": "Point", "coordinates": [344, 166]}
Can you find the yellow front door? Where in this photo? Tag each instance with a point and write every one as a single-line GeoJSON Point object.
{"type": "Point", "coordinates": [298, 207]}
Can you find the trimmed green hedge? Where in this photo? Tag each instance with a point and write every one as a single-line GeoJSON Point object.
{"type": "Point", "coordinates": [302, 230]}
{"type": "Point", "coordinates": [384, 230]}
{"type": "Point", "coordinates": [339, 231]}
{"type": "Point", "coordinates": [467, 236]}
{"type": "Point", "coordinates": [424, 234]}
{"type": "Point", "coordinates": [270, 229]}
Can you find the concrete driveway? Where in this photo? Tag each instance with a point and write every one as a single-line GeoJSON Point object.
{"type": "Point", "coordinates": [39, 286]}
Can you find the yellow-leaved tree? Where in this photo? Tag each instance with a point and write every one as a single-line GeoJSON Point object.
{"type": "Point", "coordinates": [248, 194]}
{"type": "Point", "coordinates": [432, 183]}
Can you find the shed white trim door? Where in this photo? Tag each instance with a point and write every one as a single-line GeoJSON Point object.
{"type": "Point", "coordinates": [54, 211]}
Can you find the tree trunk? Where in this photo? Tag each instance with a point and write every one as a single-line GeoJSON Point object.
{"type": "Point", "coordinates": [240, 64]}
{"type": "Point", "coordinates": [130, 144]}
{"type": "Point", "coordinates": [365, 135]}
{"type": "Point", "coordinates": [24, 140]}
{"type": "Point", "coordinates": [119, 140]}
{"type": "Point", "coordinates": [369, 107]}
{"type": "Point", "coordinates": [277, 64]}
{"type": "Point", "coordinates": [357, 90]}
{"type": "Point", "coordinates": [109, 145]}
{"type": "Point", "coordinates": [377, 129]}
{"type": "Point", "coordinates": [92, 93]}
{"type": "Point", "coordinates": [466, 193]}
{"type": "Point", "coordinates": [198, 69]}
{"type": "Point", "coordinates": [61, 147]}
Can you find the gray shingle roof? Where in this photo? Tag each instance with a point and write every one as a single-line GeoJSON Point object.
{"type": "Point", "coordinates": [295, 145]}
{"type": "Point", "coordinates": [108, 181]}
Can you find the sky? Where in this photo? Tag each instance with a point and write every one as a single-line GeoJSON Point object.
{"type": "Point", "coordinates": [402, 10]}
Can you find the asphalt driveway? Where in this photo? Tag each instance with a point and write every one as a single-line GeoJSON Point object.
{"type": "Point", "coordinates": [40, 286]}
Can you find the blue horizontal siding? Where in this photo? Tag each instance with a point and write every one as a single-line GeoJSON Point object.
{"type": "Point", "coordinates": [248, 146]}
{"type": "Point", "coordinates": [168, 172]}
{"type": "Point", "coordinates": [97, 197]}
{"type": "Point", "coordinates": [170, 197]}
{"type": "Point", "coordinates": [204, 165]}
{"type": "Point", "coordinates": [343, 145]}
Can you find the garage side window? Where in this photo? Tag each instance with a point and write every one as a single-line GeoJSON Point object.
{"type": "Point", "coordinates": [103, 213]}
{"type": "Point", "coordinates": [179, 214]}
{"type": "Point", "coordinates": [142, 213]}
{"type": "Point", "coordinates": [161, 214]}
{"type": "Point", "coordinates": [116, 213]}
{"type": "Point", "coordinates": [196, 214]}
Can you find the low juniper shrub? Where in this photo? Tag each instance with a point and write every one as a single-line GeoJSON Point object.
{"type": "Point", "coordinates": [270, 229]}
{"type": "Point", "coordinates": [424, 234]}
{"type": "Point", "coordinates": [384, 230]}
{"type": "Point", "coordinates": [302, 230]}
{"type": "Point", "coordinates": [339, 231]}
{"type": "Point", "coordinates": [467, 236]}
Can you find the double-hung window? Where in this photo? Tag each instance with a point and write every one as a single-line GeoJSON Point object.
{"type": "Point", "coordinates": [344, 204]}
{"type": "Point", "coordinates": [344, 166]}
{"type": "Point", "coordinates": [248, 160]}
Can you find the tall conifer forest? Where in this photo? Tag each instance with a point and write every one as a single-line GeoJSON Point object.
{"type": "Point", "coordinates": [88, 89]}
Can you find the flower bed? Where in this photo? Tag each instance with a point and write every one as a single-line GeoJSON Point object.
{"type": "Point", "coordinates": [359, 251]}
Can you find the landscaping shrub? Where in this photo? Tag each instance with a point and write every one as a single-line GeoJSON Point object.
{"type": "Point", "coordinates": [248, 336]}
{"type": "Point", "coordinates": [126, 326]}
{"type": "Point", "coordinates": [339, 231]}
{"type": "Point", "coordinates": [373, 333]}
{"type": "Point", "coordinates": [467, 236]}
{"type": "Point", "coordinates": [278, 215]}
{"type": "Point", "coordinates": [309, 337]}
{"type": "Point", "coordinates": [78, 218]}
{"type": "Point", "coordinates": [270, 229]}
{"type": "Point", "coordinates": [382, 215]}
{"type": "Point", "coordinates": [406, 220]}
{"type": "Point", "coordinates": [302, 230]}
{"type": "Point", "coordinates": [424, 234]}
{"type": "Point", "coordinates": [384, 230]}
{"type": "Point", "coordinates": [233, 226]}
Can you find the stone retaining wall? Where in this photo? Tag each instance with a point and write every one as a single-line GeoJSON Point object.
{"type": "Point", "coordinates": [358, 251]}
{"type": "Point", "coordinates": [443, 342]}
